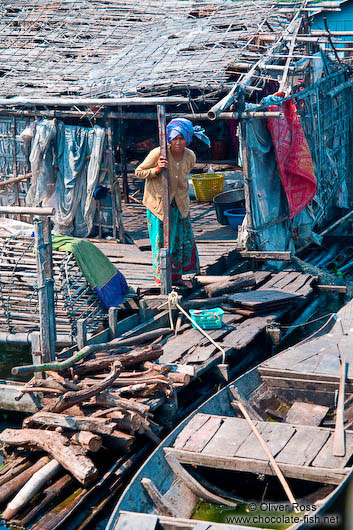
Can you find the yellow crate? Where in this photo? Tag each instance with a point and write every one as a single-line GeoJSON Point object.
{"type": "Point", "coordinates": [207, 185]}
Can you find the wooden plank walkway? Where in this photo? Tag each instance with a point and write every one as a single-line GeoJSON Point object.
{"type": "Point", "coordinates": [215, 244]}
{"type": "Point", "coordinates": [238, 332]}
{"type": "Point", "coordinates": [228, 443]}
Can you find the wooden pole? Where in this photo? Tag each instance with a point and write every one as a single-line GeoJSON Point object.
{"type": "Point", "coordinates": [45, 290]}
{"type": "Point", "coordinates": [269, 454]}
{"type": "Point", "coordinates": [247, 179]}
{"type": "Point", "coordinates": [166, 272]}
{"type": "Point", "coordinates": [339, 446]}
{"type": "Point", "coordinates": [123, 159]}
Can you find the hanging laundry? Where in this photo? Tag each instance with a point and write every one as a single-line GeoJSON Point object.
{"type": "Point", "coordinates": [293, 157]}
{"type": "Point", "coordinates": [104, 278]}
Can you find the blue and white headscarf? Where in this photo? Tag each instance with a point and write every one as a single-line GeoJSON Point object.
{"type": "Point", "coordinates": [186, 128]}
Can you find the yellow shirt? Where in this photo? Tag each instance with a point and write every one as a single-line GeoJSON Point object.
{"type": "Point", "coordinates": [178, 178]}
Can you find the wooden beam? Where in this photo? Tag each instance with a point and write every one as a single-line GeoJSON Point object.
{"type": "Point", "coordinates": [233, 463]}
{"type": "Point", "coordinates": [166, 272]}
{"type": "Point", "coordinates": [261, 255]}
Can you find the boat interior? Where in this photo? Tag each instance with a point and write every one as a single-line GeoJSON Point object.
{"type": "Point", "coordinates": [215, 457]}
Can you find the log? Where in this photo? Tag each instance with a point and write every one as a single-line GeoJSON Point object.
{"type": "Point", "coordinates": [126, 421]}
{"type": "Point", "coordinates": [72, 423]}
{"type": "Point", "coordinates": [107, 400]}
{"type": "Point", "coordinates": [245, 279]}
{"type": "Point", "coordinates": [164, 368]}
{"type": "Point", "coordinates": [208, 279]}
{"type": "Point", "coordinates": [202, 303]}
{"type": "Point", "coordinates": [114, 345]}
{"type": "Point", "coordinates": [34, 484]}
{"type": "Point", "coordinates": [13, 469]}
{"type": "Point", "coordinates": [70, 457]}
{"type": "Point", "coordinates": [89, 441]}
{"type": "Point", "coordinates": [133, 358]}
{"type": "Point", "coordinates": [119, 440]}
{"type": "Point", "coordinates": [50, 494]}
{"type": "Point", "coordinates": [10, 488]}
{"type": "Point", "coordinates": [72, 398]}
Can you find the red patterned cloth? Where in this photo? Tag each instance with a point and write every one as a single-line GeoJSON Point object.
{"type": "Point", "coordinates": [294, 162]}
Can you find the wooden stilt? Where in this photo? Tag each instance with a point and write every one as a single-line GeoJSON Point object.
{"type": "Point", "coordinates": [166, 273]}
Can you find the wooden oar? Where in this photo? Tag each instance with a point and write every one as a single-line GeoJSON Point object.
{"type": "Point", "coordinates": [339, 445]}
{"type": "Point", "coordinates": [273, 462]}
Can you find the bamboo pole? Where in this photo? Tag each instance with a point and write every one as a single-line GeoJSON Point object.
{"type": "Point", "coordinates": [166, 272]}
{"type": "Point", "coordinates": [77, 102]}
{"type": "Point", "coordinates": [339, 446]}
{"type": "Point", "coordinates": [273, 462]}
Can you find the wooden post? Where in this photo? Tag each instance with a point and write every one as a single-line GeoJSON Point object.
{"type": "Point", "coordinates": [247, 179]}
{"type": "Point", "coordinates": [166, 269]}
{"type": "Point", "coordinates": [113, 321]}
{"type": "Point", "coordinates": [36, 352]}
{"type": "Point", "coordinates": [123, 161]}
{"type": "Point", "coordinates": [45, 288]}
{"type": "Point", "coordinates": [115, 188]}
{"type": "Point", "coordinates": [81, 337]}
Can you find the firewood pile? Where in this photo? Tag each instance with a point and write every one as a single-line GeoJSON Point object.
{"type": "Point", "coordinates": [94, 411]}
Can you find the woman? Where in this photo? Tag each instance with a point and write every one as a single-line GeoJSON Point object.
{"type": "Point", "coordinates": [179, 162]}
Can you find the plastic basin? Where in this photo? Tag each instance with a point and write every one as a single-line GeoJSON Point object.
{"type": "Point", "coordinates": [226, 201]}
{"type": "Point", "coordinates": [235, 216]}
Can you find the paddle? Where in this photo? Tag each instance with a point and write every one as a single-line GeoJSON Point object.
{"type": "Point", "coordinates": [270, 456]}
{"type": "Point", "coordinates": [339, 445]}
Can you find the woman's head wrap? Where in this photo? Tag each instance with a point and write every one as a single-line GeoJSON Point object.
{"type": "Point", "coordinates": [186, 128]}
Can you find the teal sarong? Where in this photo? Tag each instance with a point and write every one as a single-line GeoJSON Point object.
{"type": "Point", "coordinates": [184, 255]}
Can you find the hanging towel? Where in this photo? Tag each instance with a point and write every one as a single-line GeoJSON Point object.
{"type": "Point", "coordinates": [294, 162]}
{"type": "Point", "coordinates": [105, 279]}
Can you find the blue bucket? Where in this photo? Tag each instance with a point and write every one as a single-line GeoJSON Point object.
{"type": "Point", "coordinates": [235, 216]}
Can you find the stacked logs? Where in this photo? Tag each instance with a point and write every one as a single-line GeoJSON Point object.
{"type": "Point", "coordinates": [96, 407]}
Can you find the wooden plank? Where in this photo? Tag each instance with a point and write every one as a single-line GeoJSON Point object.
{"type": "Point", "coordinates": [266, 255]}
{"type": "Point", "coordinates": [137, 521]}
{"type": "Point", "coordinates": [193, 426]}
{"type": "Point", "coordinates": [275, 279]}
{"type": "Point", "coordinates": [276, 436]}
{"type": "Point", "coordinates": [303, 447]}
{"type": "Point", "coordinates": [248, 330]}
{"type": "Point", "coordinates": [201, 438]}
{"type": "Point", "coordinates": [258, 299]}
{"type": "Point", "coordinates": [229, 437]}
{"type": "Point", "coordinates": [326, 458]}
{"type": "Point", "coordinates": [306, 414]}
{"type": "Point", "coordinates": [299, 282]}
{"type": "Point", "coordinates": [234, 463]}
{"type": "Point", "coordinates": [284, 282]}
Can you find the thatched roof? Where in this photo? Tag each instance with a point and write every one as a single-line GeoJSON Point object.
{"type": "Point", "coordinates": [121, 48]}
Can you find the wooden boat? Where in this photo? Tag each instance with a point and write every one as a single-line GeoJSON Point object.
{"type": "Point", "coordinates": [215, 456]}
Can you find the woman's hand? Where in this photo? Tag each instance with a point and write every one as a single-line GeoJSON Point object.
{"type": "Point", "coordinates": [161, 164]}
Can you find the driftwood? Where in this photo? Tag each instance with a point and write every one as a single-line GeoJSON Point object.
{"type": "Point", "coordinates": [105, 399]}
{"type": "Point", "coordinates": [13, 469]}
{"type": "Point", "coordinates": [208, 279]}
{"type": "Point", "coordinates": [59, 366]}
{"type": "Point", "coordinates": [11, 487]}
{"type": "Point", "coordinates": [123, 420]}
{"type": "Point", "coordinates": [72, 398]}
{"type": "Point", "coordinates": [89, 441]}
{"type": "Point", "coordinates": [73, 423]}
{"type": "Point", "coordinates": [34, 484]}
{"type": "Point", "coordinates": [133, 358]}
{"type": "Point", "coordinates": [70, 457]}
{"type": "Point", "coordinates": [120, 441]}
{"type": "Point", "coordinates": [50, 493]}
{"type": "Point", "coordinates": [245, 279]}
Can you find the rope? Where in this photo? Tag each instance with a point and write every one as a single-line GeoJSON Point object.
{"type": "Point", "coordinates": [305, 323]}
{"type": "Point", "coordinates": [173, 298]}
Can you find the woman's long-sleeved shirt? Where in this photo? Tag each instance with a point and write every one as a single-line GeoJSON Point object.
{"type": "Point", "coordinates": [178, 177]}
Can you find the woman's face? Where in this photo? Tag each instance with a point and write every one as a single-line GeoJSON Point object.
{"type": "Point", "coordinates": [178, 144]}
